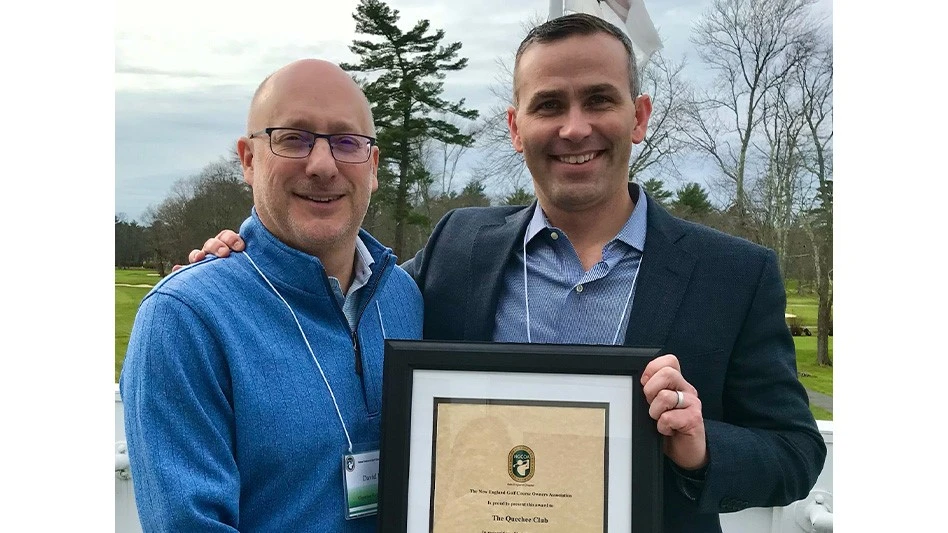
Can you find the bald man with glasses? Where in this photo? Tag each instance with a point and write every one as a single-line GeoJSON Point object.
{"type": "Point", "coordinates": [252, 387]}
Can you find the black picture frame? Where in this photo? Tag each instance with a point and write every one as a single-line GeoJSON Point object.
{"type": "Point", "coordinates": [403, 358]}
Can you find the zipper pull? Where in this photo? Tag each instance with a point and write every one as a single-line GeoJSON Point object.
{"type": "Point", "coordinates": [358, 356]}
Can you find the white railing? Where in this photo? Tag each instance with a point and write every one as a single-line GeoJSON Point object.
{"type": "Point", "coordinates": [812, 514]}
{"type": "Point", "coordinates": [126, 515]}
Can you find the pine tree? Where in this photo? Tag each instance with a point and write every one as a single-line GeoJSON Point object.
{"type": "Point", "coordinates": [406, 99]}
{"type": "Point", "coordinates": [656, 189]}
{"type": "Point", "coordinates": [520, 196]}
{"type": "Point", "coordinates": [692, 200]}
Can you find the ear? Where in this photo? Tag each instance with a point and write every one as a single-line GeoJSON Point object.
{"type": "Point", "coordinates": [514, 131]}
{"type": "Point", "coordinates": [374, 160]}
{"type": "Point", "coordinates": [245, 154]}
{"type": "Point", "coordinates": [643, 110]}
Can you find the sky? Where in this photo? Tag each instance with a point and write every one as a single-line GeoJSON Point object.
{"type": "Point", "coordinates": [183, 83]}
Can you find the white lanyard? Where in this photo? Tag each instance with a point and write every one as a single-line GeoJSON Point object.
{"type": "Point", "coordinates": [310, 348]}
{"type": "Point", "coordinates": [526, 295]}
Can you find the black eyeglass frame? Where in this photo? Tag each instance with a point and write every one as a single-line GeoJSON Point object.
{"type": "Point", "coordinates": [371, 141]}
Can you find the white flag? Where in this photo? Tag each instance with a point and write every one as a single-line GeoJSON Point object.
{"type": "Point", "coordinates": [629, 15]}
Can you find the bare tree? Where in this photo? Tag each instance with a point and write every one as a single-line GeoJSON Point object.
{"type": "Point", "coordinates": [814, 77]}
{"type": "Point", "coordinates": [165, 223]}
{"type": "Point", "coordinates": [435, 191]}
{"type": "Point", "coordinates": [795, 190]}
{"type": "Point", "coordinates": [666, 137]}
{"type": "Point", "coordinates": [442, 159]}
{"type": "Point", "coordinates": [782, 189]}
{"type": "Point", "coordinates": [198, 206]}
{"type": "Point", "coordinates": [504, 168]}
{"type": "Point", "coordinates": [747, 45]}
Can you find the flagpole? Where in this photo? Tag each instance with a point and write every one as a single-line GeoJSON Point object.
{"type": "Point", "coordinates": [556, 9]}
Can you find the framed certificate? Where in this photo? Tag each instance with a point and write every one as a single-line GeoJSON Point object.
{"type": "Point", "coordinates": [517, 438]}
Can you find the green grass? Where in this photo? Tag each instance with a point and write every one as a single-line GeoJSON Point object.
{"type": "Point", "coordinates": [126, 305]}
{"type": "Point", "coordinates": [813, 376]}
{"type": "Point", "coordinates": [804, 310]}
{"type": "Point", "coordinates": [820, 414]}
{"type": "Point", "coordinates": [136, 276]}
{"type": "Point", "coordinates": [804, 306]}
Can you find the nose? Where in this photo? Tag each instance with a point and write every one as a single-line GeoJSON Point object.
{"type": "Point", "coordinates": [320, 162]}
{"type": "Point", "coordinates": [577, 126]}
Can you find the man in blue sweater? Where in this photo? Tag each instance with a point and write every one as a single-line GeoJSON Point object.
{"type": "Point", "coordinates": [252, 386]}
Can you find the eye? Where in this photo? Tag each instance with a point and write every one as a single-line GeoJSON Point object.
{"type": "Point", "coordinates": [347, 143]}
{"type": "Point", "coordinates": [293, 137]}
{"type": "Point", "coordinates": [598, 100]}
{"type": "Point", "coordinates": [548, 106]}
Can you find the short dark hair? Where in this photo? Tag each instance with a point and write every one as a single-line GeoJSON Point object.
{"type": "Point", "coordinates": [577, 24]}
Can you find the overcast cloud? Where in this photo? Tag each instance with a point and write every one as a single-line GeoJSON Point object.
{"type": "Point", "coordinates": [185, 70]}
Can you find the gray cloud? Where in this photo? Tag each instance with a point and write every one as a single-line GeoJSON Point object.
{"type": "Point", "coordinates": [163, 137]}
{"type": "Point", "coordinates": [147, 71]}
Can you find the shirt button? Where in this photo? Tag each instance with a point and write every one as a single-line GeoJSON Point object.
{"type": "Point", "coordinates": [554, 235]}
{"type": "Point", "coordinates": [579, 288]}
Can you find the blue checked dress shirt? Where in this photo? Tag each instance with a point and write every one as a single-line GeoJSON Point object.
{"type": "Point", "coordinates": [567, 304]}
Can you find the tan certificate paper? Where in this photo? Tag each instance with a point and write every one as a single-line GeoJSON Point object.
{"type": "Point", "coordinates": [519, 466]}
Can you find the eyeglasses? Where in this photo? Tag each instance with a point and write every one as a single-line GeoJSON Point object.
{"type": "Point", "coordinates": [298, 144]}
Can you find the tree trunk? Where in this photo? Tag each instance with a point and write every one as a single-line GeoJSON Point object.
{"type": "Point", "coordinates": [824, 318]}
{"type": "Point", "coordinates": [401, 206]}
{"type": "Point", "coordinates": [821, 258]}
{"type": "Point", "coordinates": [822, 333]}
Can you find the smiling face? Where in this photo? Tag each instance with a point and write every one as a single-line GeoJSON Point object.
{"type": "Point", "coordinates": [314, 204]}
{"type": "Point", "coordinates": [576, 120]}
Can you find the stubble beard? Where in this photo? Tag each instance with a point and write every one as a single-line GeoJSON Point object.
{"type": "Point", "coordinates": [572, 195]}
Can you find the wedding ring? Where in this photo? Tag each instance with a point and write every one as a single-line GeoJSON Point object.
{"type": "Point", "coordinates": [681, 400]}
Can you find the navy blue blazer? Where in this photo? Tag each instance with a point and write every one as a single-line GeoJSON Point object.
{"type": "Point", "coordinates": [715, 301]}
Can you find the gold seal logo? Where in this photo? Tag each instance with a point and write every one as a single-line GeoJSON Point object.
{"type": "Point", "coordinates": [521, 464]}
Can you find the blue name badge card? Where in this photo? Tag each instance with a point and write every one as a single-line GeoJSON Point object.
{"type": "Point", "coordinates": [361, 476]}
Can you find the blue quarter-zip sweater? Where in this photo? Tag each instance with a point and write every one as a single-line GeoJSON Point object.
{"type": "Point", "coordinates": [230, 425]}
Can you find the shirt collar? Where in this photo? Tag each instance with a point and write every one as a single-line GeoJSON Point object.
{"type": "Point", "coordinates": [632, 232]}
{"type": "Point", "coordinates": [361, 271]}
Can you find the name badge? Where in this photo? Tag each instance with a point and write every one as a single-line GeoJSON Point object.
{"type": "Point", "coordinates": [361, 477]}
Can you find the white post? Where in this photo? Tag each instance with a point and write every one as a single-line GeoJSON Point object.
{"type": "Point", "coordinates": [556, 9]}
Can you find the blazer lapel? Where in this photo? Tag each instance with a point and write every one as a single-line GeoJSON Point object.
{"type": "Point", "coordinates": [662, 280]}
{"type": "Point", "coordinates": [494, 245]}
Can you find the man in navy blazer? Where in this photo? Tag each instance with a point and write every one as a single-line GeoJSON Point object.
{"type": "Point", "coordinates": [714, 301]}
{"type": "Point", "coordinates": [596, 261]}
{"type": "Point", "coordinates": [739, 433]}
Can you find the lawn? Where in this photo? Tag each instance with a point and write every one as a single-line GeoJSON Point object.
{"type": "Point", "coordinates": [136, 276]}
{"type": "Point", "coordinates": [126, 305]}
{"type": "Point", "coordinates": [813, 377]}
{"type": "Point", "coordinates": [804, 306]}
